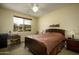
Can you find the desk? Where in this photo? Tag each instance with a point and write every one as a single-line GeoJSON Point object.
{"type": "Point", "coordinates": [14, 39]}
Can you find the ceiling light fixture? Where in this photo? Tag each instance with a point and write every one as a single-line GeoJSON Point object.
{"type": "Point", "coordinates": [35, 8]}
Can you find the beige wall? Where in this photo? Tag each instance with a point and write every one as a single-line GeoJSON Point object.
{"type": "Point", "coordinates": [6, 22]}
{"type": "Point", "coordinates": [67, 17]}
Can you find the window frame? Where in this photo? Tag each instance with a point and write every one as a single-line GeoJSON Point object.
{"type": "Point", "coordinates": [25, 28]}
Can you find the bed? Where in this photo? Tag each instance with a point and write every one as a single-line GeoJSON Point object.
{"type": "Point", "coordinates": [49, 43]}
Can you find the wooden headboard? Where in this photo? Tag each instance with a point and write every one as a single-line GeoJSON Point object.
{"type": "Point", "coordinates": [56, 30]}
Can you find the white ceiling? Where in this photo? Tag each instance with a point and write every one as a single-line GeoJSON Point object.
{"type": "Point", "coordinates": [26, 8]}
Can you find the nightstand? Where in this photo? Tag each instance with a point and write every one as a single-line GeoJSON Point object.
{"type": "Point", "coordinates": [73, 44]}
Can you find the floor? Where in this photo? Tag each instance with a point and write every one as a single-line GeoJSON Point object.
{"type": "Point", "coordinates": [20, 50]}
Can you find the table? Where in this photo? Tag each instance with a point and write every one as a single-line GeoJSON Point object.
{"type": "Point", "coordinates": [14, 39]}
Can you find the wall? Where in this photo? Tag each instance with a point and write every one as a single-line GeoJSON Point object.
{"type": "Point", "coordinates": [67, 17]}
{"type": "Point", "coordinates": [6, 22]}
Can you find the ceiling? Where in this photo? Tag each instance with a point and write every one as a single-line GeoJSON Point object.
{"type": "Point", "coordinates": [26, 8]}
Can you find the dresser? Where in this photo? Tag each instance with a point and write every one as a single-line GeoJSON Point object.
{"type": "Point", "coordinates": [73, 44]}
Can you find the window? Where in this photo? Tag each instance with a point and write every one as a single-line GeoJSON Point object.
{"type": "Point", "coordinates": [21, 24]}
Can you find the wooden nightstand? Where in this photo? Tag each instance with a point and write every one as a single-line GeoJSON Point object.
{"type": "Point", "coordinates": [73, 44]}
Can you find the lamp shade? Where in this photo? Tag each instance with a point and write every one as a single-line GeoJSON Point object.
{"type": "Point", "coordinates": [72, 33]}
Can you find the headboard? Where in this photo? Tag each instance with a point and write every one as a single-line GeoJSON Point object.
{"type": "Point", "coordinates": [56, 30]}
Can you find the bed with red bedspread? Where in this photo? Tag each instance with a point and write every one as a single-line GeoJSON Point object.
{"type": "Point", "coordinates": [48, 43]}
